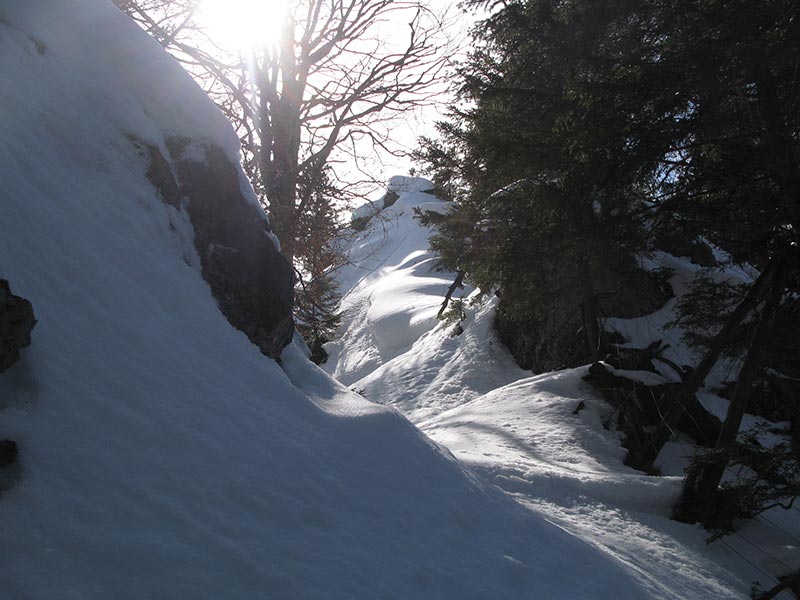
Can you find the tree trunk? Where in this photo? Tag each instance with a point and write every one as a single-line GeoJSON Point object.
{"type": "Point", "coordinates": [697, 502]}
{"type": "Point", "coordinates": [280, 91]}
{"type": "Point", "coordinates": [677, 407]}
{"type": "Point", "coordinates": [279, 177]}
{"type": "Point", "coordinates": [457, 284]}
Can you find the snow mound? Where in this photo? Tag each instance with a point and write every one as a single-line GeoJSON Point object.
{"type": "Point", "coordinates": [161, 454]}
{"type": "Point", "coordinates": [403, 184]}
{"type": "Point", "coordinates": [395, 289]}
{"type": "Point", "coordinates": [412, 189]}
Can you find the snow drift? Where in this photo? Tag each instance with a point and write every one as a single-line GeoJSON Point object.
{"type": "Point", "coordinates": [163, 455]}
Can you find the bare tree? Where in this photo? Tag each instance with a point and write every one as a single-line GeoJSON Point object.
{"type": "Point", "coordinates": [331, 77]}
{"type": "Point", "coordinates": [334, 77]}
{"type": "Point", "coordinates": [313, 97]}
{"type": "Point", "coordinates": [165, 20]}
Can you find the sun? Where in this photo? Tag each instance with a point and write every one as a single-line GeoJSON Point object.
{"type": "Point", "coordinates": [241, 25]}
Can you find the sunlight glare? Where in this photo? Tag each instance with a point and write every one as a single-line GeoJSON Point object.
{"type": "Point", "coordinates": [241, 25]}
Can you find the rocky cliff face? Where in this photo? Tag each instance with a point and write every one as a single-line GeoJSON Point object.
{"type": "Point", "coordinates": [249, 277]}
{"type": "Point", "coordinates": [136, 109]}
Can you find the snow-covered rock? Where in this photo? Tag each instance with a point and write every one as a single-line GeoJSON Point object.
{"type": "Point", "coordinates": [397, 186]}
{"type": "Point", "coordinates": [405, 184]}
{"type": "Point", "coordinates": [134, 106]}
{"type": "Point", "coordinates": [249, 277]}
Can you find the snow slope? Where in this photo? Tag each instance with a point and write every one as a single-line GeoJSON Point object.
{"type": "Point", "coordinates": [541, 439]}
{"type": "Point", "coordinates": [391, 345]}
{"type": "Point", "coordinates": [161, 454]}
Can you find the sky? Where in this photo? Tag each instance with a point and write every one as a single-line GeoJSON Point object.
{"type": "Point", "coordinates": [224, 24]}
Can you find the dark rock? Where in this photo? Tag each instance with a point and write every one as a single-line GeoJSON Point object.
{"type": "Point", "coordinates": [679, 242]}
{"type": "Point", "coordinates": [319, 356]}
{"type": "Point", "coordinates": [702, 255]}
{"type": "Point", "coordinates": [773, 397]}
{"type": "Point", "coordinates": [390, 198]}
{"type": "Point", "coordinates": [8, 452]}
{"type": "Point", "coordinates": [16, 323]}
{"type": "Point", "coordinates": [674, 240]}
{"type": "Point", "coordinates": [360, 224]}
{"type": "Point", "coordinates": [776, 389]}
{"type": "Point", "coordinates": [629, 359]}
{"type": "Point", "coordinates": [250, 279]}
{"type": "Point", "coordinates": [160, 175]}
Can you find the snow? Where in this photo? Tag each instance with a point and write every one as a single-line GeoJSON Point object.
{"type": "Point", "coordinates": [51, 39]}
{"type": "Point", "coordinates": [525, 438]}
{"type": "Point", "coordinates": [542, 439]}
{"type": "Point", "coordinates": [398, 184]}
{"type": "Point", "coordinates": [660, 325]}
{"type": "Point", "coordinates": [161, 455]}
{"type": "Point", "coordinates": [403, 306]}
{"type": "Point", "coordinates": [365, 211]}
{"type": "Point", "coordinates": [403, 184]}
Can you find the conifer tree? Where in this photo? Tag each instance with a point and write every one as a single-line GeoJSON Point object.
{"type": "Point", "coordinates": [321, 235]}
{"type": "Point", "coordinates": [551, 180]}
{"type": "Point", "coordinates": [591, 124]}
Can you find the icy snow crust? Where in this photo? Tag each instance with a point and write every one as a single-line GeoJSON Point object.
{"type": "Point", "coordinates": [162, 456]}
{"type": "Point", "coordinates": [522, 434]}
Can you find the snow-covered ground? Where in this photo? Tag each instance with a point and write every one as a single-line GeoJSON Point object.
{"type": "Point", "coordinates": [525, 434]}
{"type": "Point", "coordinates": [163, 456]}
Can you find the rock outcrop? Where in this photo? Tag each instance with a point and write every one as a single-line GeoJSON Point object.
{"type": "Point", "coordinates": [8, 453]}
{"type": "Point", "coordinates": [16, 323]}
{"type": "Point", "coordinates": [249, 277]}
